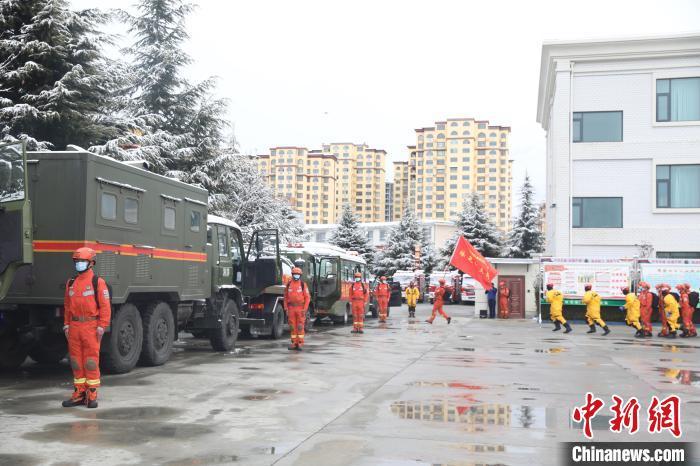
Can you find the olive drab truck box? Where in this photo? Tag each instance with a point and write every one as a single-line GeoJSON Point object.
{"type": "Point", "coordinates": [168, 264]}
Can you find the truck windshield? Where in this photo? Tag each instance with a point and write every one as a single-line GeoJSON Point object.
{"type": "Point", "coordinates": [11, 173]}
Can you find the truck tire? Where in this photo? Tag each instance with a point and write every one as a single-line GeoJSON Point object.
{"type": "Point", "coordinates": [345, 319]}
{"type": "Point", "coordinates": [158, 334]}
{"type": "Point", "coordinates": [51, 349]}
{"type": "Point", "coordinates": [12, 354]}
{"type": "Point", "coordinates": [277, 323]}
{"type": "Point", "coordinates": [224, 338]}
{"type": "Point", "coordinates": [121, 347]}
{"type": "Point", "coordinates": [308, 322]}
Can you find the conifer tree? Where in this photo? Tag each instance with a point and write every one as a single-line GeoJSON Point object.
{"type": "Point", "coordinates": [526, 239]}
{"type": "Point", "coordinates": [400, 251]}
{"type": "Point", "coordinates": [348, 235]}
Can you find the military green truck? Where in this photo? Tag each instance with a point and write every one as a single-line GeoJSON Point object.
{"type": "Point", "coordinates": [168, 264]}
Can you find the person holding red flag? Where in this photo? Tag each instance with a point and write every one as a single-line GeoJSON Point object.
{"type": "Point", "coordinates": [467, 259]}
{"type": "Point", "coordinates": [438, 302]}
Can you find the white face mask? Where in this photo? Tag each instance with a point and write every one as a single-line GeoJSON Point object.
{"type": "Point", "coordinates": [358, 279]}
{"type": "Point", "coordinates": [81, 266]}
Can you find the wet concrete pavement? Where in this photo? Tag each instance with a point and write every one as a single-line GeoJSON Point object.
{"type": "Point", "coordinates": [405, 392]}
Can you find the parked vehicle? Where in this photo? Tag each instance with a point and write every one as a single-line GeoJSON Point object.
{"type": "Point", "coordinates": [452, 279]}
{"type": "Point", "coordinates": [468, 289]}
{"type": "Point", "coordinates": [395, 299]}
{"type": "Point", "coordinates": [405, 277]}
{"type": "Point", "coordinates": [329, 270]}
{"type": "Point", "coordinates": [169, 265]}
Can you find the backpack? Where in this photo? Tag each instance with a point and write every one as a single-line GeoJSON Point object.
{"type": "Point", "coordinates": [303, 286]}
{"type": "Point", "coordinates": [95, 282]}
{"type": "Point", "coordinates": [693, 298]}
{"type": "Point", "coordinates": [654, 301]}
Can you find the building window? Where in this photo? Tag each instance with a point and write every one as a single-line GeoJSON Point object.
{"type": "Point", "coordinates": [597, 212]}
{"type": "Point", "coordinates": [597, 127]}
{"type": "Point", "coordinates": [131, 210]}
{"type": "Point", "coordinates": [678, 186]}
{"type": "Point", "coordinates": [169, 218]}
{"type": "Point", "coordinates": [678, 255]}
{"type": "Point", "coordinates": [678, 99]}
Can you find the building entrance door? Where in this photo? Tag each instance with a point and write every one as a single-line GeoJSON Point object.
{"type": "Point", "coordinates": [516, 285]}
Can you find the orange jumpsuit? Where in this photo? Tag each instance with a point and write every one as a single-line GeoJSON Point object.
{"type": "Point", "coordinates": [645, 302]}
{"type": "Point", "coordinates": [687, 315]}
{"type": "Point", "coordinates": [504, 302]}
{"type": "Point", "coordinates": [437, 304]}
{"type": "Point", "coordinates": [82, 317]}
{"type": "Point", "coordinates": [296, 302]}
{"type": "Point", "coordinates": [382, 293]}
{"type": "Point", "coordinates": [358, 297]}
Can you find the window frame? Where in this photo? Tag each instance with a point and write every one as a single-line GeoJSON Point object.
{"type": "Point", "coordinates": [669, 75]}
{"type": "Point", "coordinates": [669, 99]}
{"type": "Point", "coordinates": [580, 132]}
{"type": "Point", "coordinates": [138, 209]}
{"type": "Point", "coordinates": [654, 185]}
{"type": "Point", "coordinates": [580, 219]}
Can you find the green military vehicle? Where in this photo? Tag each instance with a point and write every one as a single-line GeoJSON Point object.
{"type": "Point", "coordinates": [330, 272]}
{"type": "Point", "coordinates": [169, 265]}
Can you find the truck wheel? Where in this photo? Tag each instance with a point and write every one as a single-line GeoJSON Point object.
{"type": "Point", "coordinates": [12, 354]}
{"type": "Point", "coordinates": [122, 345]}
{"type": "Point", "coordinates": [158, 334]}
{"type": "Point", "coordinates": [308, 323]}
{"type": "Point", "coordinates": [277, 324]}
{"type": "Point", "coordinates": [344, 319]}
{"type": "Point", "coordinates": [225, 336]}
{"type": "Point", "coordinates": [51, 349]}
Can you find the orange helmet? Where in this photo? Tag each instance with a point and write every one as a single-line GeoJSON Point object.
{"type": "Point", "coordinates": [502, 283]}
{"type": "Point", "coordinates": [358, 275]}
{"type": "Point", "coordinates": [644, 285]}
{"type": "Point", "coordinates": [680, 287]}
{"type": "Point", "coordinates": [296, 270]}
{"type": "Point", "coordinates": [687, 286]}
{"type": "Point", "coordinates": [84, 254]}
{"type": "Point", "coordinates": [441, 281]}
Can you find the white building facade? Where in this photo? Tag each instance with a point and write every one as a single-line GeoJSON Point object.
{"type": "Point", "coordinates": [623, 147]}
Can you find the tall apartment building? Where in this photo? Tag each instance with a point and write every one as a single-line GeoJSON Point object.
{"type": "Point", "coordinates": [389, 202]}
{"type": "Point", "coordinates": [361, 179]}
{"type": "Point", "coordinates": [318, 183]}
{"type": "Point", "coordinates": [623, 136]}
{"type": "Point", "coordinates": [451, 160]}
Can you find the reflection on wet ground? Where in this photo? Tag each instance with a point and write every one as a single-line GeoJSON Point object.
{"type": "Point", "coordinates": [408, 393]}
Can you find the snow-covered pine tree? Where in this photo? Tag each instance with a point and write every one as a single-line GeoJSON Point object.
{"type": "Point", "coordinates": [526, 239]}
{"type": "Point", "coordinates": [348, 235]}
{"type": "Point", "coordinates": [428, 258]}
{"type": "Point", "coordinates": [239, 193]}
{"type": "Point", "coordinates": [55, 84]}
{"type": "Point", "coordinates": [474, 224]}
{"type": "Point", "coordinates": [400, 251]}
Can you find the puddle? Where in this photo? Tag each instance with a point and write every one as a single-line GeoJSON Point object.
{"type": "Point", "coordinates": [497, 448]}
{"type": "Point", "coordinates": [34, 404]}
{"type": "Point", "coordinates": [476, 417]}
{"type": "Point", "coordinates": [551, 350]}
{"type": "Point", "coordinates": [250, 368]}
{"type": "Point", "coordinates": [149, 413]}
{"type": "Point", "coordinates": [203, 460]}
{"type": "Point", "coordinates": [256, 397]}
{"type": "Point", "coordinates": [465, 386]}
{"type": "Point", "coordinates": [271, 391]}
{"type": "Point", "coordinates": [18, 459]}
{"type": "Point", "coordinates": [680, 376]}
{"type": "Point", "coordinates": [599, 422]}
{"type": "Point", "coordinates": [110, 433]}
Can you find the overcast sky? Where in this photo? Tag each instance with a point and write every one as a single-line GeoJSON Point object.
{"type": "Point", "coordinates": [304, 72]}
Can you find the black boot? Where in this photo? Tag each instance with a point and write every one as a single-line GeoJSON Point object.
{"type": "Point", "coordinates": [567, 327]}
{"type": "Point", "coordinates": [671, 334]}
{"type": "Point", "coordinates": [78, 398]}
{"type": "Point", "coordinates": [449, 319]}
{"type": "Point", "coordinates": [557, 326]}
{"type": "Point", "coordinates": [592, 329]}
{"type": "Point", "coordinates": [606, 330]}
{"type": "Point", "coordinates": [648, 334]}
{"type": "Point", "coordinates": [639, 334]}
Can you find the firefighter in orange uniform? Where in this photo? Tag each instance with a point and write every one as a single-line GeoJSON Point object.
{"type": "Point", "coordinates": [438, 302]}
{"type": "Point", "coordinates": [86, 315]}
{"type": "Point", "coordinates": [662, 313]}
{"type": "Point", "coordinates": [503, 300]}
{"type": "Point", "coordinates": [296, 302]}
{"type": "Point", "coordinates": [645, 307]}
{"type": "Point", "coordinates": [686, 311]}
{"type": "Point", "coordinates": [358, 297]}
{"type": "Point", "coordinates": [382, 293]}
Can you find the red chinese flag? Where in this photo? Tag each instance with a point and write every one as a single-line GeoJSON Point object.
{"type": "Point", "coordinates": [470, 261]}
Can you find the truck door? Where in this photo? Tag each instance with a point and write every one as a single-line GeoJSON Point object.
{"type": "Point", "coordinates": [223, 266]}
{"type": "Point", "coordinates": [263, 267]}
{"type": "Point", "coordinates": [329, 283]}
{"type": "Point", "coordinates": [237, 255]}
{"type": "Point", "coordinates": [195, 242]}
{"type": "Point", "coordinates": [15, 214]}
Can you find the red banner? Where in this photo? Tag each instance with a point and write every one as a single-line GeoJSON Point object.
{"type": "Point", "coordinates": [470, 261]}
